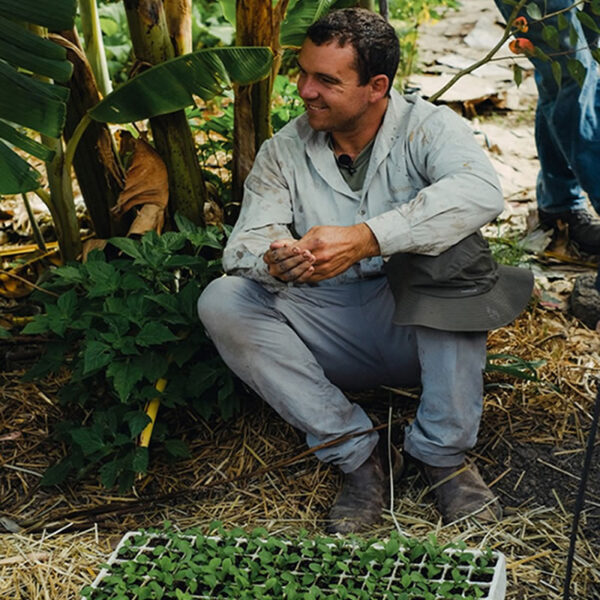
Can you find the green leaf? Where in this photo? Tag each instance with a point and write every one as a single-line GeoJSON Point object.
{"type": "Point", "coordinates": [167, 301]}
{"type": "Point", "coordinates": [88, 440]}
{"type": "Point", "coordinates": [550, 35]}
{"type": "Point", "coordinates": [24, 100]}
{"type": "Point", "coordinates": [154, 333]}
{"type": "Point", "coordinates": [137, 421]}
{"type": "Point", "coordinates": [171, 85]}
{"type": "Point", "coordinates": [57, 473]}
{"type": "Point", "coordinates": [557, 72]}
{"type": "Point", "coordinates": [24, 49]}
{"type": "Point", "coordinates": [539, 53]}
{"type": "Point", "coordinates": [20, 140]}
{"type": "Point", "coordinates": [34, 104]}
{"type": "Point", "coordinates": [127, 245]}
{"type": "Point", "coordinates": [96, 356]}
{"type": "Point", "coordinates": [132, 282]}
{"type": "Point", "coordinates": [104, 279]}
{"type": "Point", "coordinates": [50, 362]}
{"type": "Point", "coordinates": [69, 274]}
{"type": "Point", "coordinates": [109, 473]}
{"type": "Point", "coordinates": [517, 74]}
{"type": "Point", "coordinates": [177, 448]}
{"type": "Point", "coordinates": [38, 325]}
{"type": "Point", "coordinates": [587, 21]}
{"type": "Point", "coordinates": [53, 14]}
{"type": "Point", "coordinates": [228, 8]}
{"type": "Point", "coordinates": [139, 464]}
{"type": "Point", "coordinates": [299, 17]}
{"type": "Point", "coordinates": [562, 22]}
{"type": "Point", "coordinates": [576, 70]}
{"type": "Point", "coordinates": [392, 547]}
{"type": "Point", "coordinates": [16, 176]}
{"type": "Point", "coordinates": [67, 303]}
{"type": "Point", "coordinates": [573, 35]}
{"type": "Point", "coordinates": [513, 365]}
{"type": "Point", "coordinates": [125, 374]}
{"type": "Point", "coordinates": [533, 10]}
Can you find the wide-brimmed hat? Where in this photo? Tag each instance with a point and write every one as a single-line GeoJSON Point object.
{"type": "Point", "coordinates": [462, 289]}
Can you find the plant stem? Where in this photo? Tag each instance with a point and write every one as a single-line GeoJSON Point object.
{"type": "Point", "coordinates": [507, 33]}
{"type": "Point", "coordinates": [94, 44]}
{"type": "Point", "coordinates": [72, 144]}
{"type": "Point", "coordinates": [37, 234]}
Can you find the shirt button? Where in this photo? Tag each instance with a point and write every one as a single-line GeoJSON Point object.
{"type": "Point", "coordinates": [362, 211]}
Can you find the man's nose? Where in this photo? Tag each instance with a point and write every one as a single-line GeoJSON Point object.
{"type": "Point", "coordinates": [307, 88]}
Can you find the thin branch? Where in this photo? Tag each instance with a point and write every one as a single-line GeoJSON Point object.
{"type": "Point", "coordinates": [507, 33]}
{"type": "Point", "coordinates": [33, 285]}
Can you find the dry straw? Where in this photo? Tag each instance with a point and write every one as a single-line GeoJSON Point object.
{"type": "Point", "coordinates": [530, 446]}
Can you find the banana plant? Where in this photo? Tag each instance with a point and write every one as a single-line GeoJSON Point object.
{"type": "Point", "coordinates": [278, 25]}
{"type": "Point", "coordinates": [172, 86]}
{"type": "Point", "coordinates": [30, 66]}
{"type": "Point", "coordinates": [26, 100]}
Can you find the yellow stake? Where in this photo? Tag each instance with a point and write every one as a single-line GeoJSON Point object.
{"type": "Point", "coordinates": [151, 410]}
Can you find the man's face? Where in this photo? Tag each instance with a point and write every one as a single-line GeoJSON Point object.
{"type": "Point", "coordinates": [328, 84]}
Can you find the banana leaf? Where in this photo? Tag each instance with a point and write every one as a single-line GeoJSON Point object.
{"type": "Point", "coordinates": [53, 14]}
{"type": "Point", "coordinates": [24, 100]}
{"type": "Point", "coordinates": [21, 47]}
{"type": "Point", "coordinates": [171, 85]}
{"type": "Point", "coordinates": [15, 173]}
{"type": "Point", "coordinates": [302, 14]}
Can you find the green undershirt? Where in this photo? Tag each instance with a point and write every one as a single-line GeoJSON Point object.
{"type": "Point", "coordinates": [359, 168]}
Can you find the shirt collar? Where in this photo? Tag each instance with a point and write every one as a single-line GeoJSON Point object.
{"type": "Point", "coordinates": [323, 160]}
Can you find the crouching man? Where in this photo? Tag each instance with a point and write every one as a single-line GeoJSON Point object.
{"type": "Point", "coordinates": [307, 308]}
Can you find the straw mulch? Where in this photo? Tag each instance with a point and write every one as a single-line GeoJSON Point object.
{"type": "Point", "coordinates": [531, 448]}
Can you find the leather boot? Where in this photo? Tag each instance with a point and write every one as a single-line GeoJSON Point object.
{"type": "Point", "coordinates": [584, 230]}
{"type": "Point", "coordinates": [460, 492]}
{"type": "Point", "coordinates": [360, 502]}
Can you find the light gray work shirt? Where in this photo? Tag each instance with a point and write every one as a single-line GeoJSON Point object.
{"type": "Point", "coordinates": [428, 185]}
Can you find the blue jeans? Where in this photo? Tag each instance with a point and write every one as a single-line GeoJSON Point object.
{"type": "Point", "coordinates": [567, 126]}
{"type": "Point", "coordinates": [296, 348]}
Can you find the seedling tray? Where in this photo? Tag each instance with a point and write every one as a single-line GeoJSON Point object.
{"type": "Point", "coordinates": [193, 566]}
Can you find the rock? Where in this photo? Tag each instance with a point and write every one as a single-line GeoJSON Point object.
{"type": "Point", "coordinates": [585, 300]}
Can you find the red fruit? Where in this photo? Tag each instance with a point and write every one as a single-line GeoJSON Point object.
{"type": "Point", "coordinates": [521, 46]}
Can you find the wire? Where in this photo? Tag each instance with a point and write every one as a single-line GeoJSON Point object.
{"type": "Point", "coordinates": [391, 469]}
{"type": "Point", "coordinates": [581, 493]}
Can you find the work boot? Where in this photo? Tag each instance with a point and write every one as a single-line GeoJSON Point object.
{"type": "Point", "coordinates": [583, 229]}
{"type": "Point", "coordinates": [460, 492]}
{"type": "Point", "coordinates": [361, 500]}
{"type": "Point", "coordinates": [584, 300]}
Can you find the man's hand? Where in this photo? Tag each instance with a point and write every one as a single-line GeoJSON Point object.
{"type": "Point", "coordinates": [336, 249]}
{"type": "Point", "coordinates": [288, 262]}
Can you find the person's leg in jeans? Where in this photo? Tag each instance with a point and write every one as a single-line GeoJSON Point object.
{"type": "Point", "coordinates": [567, 130]}
{"type": "Point", "coordinates": [567, 133]}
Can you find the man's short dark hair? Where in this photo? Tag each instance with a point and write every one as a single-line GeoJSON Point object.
{"type": "Point", "coordinates": [374, 40]}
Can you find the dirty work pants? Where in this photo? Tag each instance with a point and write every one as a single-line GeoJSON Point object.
{"type": "Point", "coordinates": [297, 348]}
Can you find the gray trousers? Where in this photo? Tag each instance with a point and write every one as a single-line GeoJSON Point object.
{"type": "Point", "coordinates": [297, 348]}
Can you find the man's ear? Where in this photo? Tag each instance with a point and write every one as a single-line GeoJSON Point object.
{"type": "Point", "coordinates": [379, 86]}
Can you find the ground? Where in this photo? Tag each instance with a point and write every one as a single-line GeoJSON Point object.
{"type": "Point", "coordinates": [530, 449]}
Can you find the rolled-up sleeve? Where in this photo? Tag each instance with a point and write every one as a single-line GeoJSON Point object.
{"type": "Point", "coordinates": [460, 190]}
{"type": "Point", "coordinates": [265, 217]}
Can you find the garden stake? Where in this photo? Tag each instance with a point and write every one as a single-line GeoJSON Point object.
{"type": "Point", "coordinates": [581, 493]}
{"type": "Point", "coordinates": [151, 410]}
